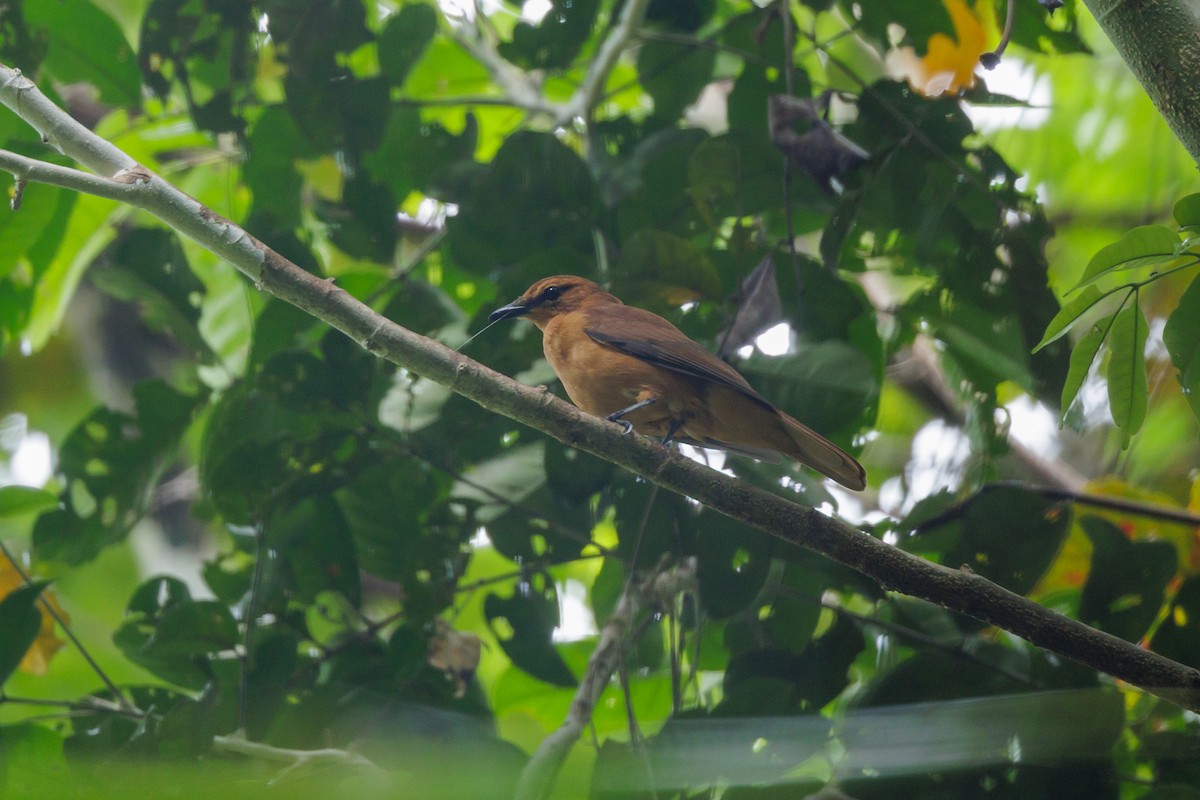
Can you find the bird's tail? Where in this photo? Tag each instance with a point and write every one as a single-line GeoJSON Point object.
{"type": "Point", "coordinates": [816, 451]}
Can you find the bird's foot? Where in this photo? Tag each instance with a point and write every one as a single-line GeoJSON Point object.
{"type": "Point", "coordinates": [624, 423]}
{"type": "Point", "coordinates": [618, 416]}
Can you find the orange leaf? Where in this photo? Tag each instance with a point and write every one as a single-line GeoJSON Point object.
{"type": "Point", "coordinates": [37, 658]}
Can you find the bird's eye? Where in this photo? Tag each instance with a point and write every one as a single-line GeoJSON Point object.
{"type": "Point", "coordinates": [551, 293]}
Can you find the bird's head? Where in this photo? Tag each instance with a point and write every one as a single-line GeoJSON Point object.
{"type": "Point", "coordinates": [549, 297]}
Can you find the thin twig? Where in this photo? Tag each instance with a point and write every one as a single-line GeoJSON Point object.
{"type": "Point", "coordinates": [1120, 504]}
{"type": "Point", "coordinates": [261, 554]}
{"type": "Point", "coordinates": [297, 759]}
{"type": "Point", "coordinates": [90, 704]}
{"type": "Point", "coordinates": [519, 88]}
{"type": "Point", "coordinates": [584, 101]}
{"type": "Point", "coordinates": [789, 44]}
{"type": "Point", "coordinates": [537, 778]}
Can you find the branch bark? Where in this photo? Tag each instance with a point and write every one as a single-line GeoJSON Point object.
{"type": "Point", "coordinates": [894, 569]}
{"type": "Point", "coordinates": [1160, 41]}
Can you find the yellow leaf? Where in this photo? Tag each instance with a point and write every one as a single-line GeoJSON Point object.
{"type": "Point", "coordinates": [37, 659]}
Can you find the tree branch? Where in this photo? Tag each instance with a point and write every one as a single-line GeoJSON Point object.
{"type": "Point", "coordinates": [537, 778]}
{"type": "Point", "coordinates": [958, 590]}
{"type": "Point", "coordinates": [297, 759]}
{"type": "Point", "coordinates": [588, 95]}
{"type": "Point", "coordinates": [1160, 41]}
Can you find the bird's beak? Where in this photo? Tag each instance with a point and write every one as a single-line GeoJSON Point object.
{"type": "Point", "coordinates": [509, 311]}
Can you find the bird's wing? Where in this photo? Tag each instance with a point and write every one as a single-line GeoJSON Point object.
{"type": "Point", "coordinates": [658, 342]}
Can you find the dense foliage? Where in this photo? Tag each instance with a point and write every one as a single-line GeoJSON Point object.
{"type": "Point", "coordinates": [379, 567]}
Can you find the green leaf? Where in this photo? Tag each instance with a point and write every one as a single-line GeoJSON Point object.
{"type": "Point", "coordinates": [315, 542]}
{"type": "Point", "coordinates": [1187, 211]}
{"type": "Point", "coordinates": [1127, 389]}
{"type": "Point", "coordinates": [20, 621]}
{"type": "Point", "coordinates": [714, 178]}
{"type": "Point", "coordinates": [554, 42]}
{"type": "Point", "coordinates": [172, 635]}
{"type": "Point", "coordinates": [668, 268]}
{"type": "Point", "coordinates": [403, 40]}
{"type": "Point", "coordinates": [1144, 245]}
{"type": "Point", "coordinates": [33, 761]}
{"type": "Point", "coordinates": [89, 229]}
{"type": "Point", "coordinates": [1065, 319]}
{"type": "Point", "coordinates": [529, 618]}
{"type": "Point", "coordinates": [148, 267]}
{"type": "Point", "coordinates": [1081, 361]}
{"type": "Point", "coordinates": [17, 500]}
{"type": "Point", "coordinates": [20, 229]}
{"type": "Point", "coordinates": [1127, 582]}
{"type": "Point", "coordinates": [1181, 335]}
{"type": "Point", "coordinates": [85, 44]}
{"type": "Point", "coordinates": [733, 563]}
{"type": "Point", "coordinates": [573, 474]}
{"type": "Point", "coordinates": [831, 387]}
{"type": "Point", "coordinates": [807, 680]}
{"type": "Point", "coordinates": [987, 344]}
{"type": "Point", "coordinates": [1178, 636]}
{"type": "Point", "coordinates": [1009, 535]}
{"type": "Point", "coordinates": [673, 74]}
{"type": "Point", "coordinates": [537, 194]}
{"type": "Point", "coordinates": [112, 462]}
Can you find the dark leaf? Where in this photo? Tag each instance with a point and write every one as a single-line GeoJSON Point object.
{"type": "Point", "coordinates": [314, 540]}
{"type": "Point", "coordinates": [86, 44]}
{"type": "Point", "coordinates": [20, 621]}
{"type": "Point", "coordinates": [524, 623]}
{"type": "Point", "coordinates": [1009, 535]}
{"type": "Point", "coordinates": [148, 267]}
{"type": "Point", "coordinates": [673, 74]}
{"type": "Point", "coordinates": [404, 39]}
{"type": "Point", "coordinates": [112, 462]}
{"type": "Point", "coordinates": [1181, 335]}
{"type": "Point", "coordinates": [203, 48]}
{"type": "Point", "coordinates": [553, 43]}
{"type": "Point", "coordinates": [1178, 636]}
{"type": "Point", "coordinates": [1127, 582]}
{"type": "Point", "coordinates": [535, 195]}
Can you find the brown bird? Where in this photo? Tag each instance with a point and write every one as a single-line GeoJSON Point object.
{"type": "Point", "coordinates": [634, 368]}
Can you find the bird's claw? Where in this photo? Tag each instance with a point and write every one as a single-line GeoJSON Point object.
{"type": "Point", "coordinates": [626, 424]}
